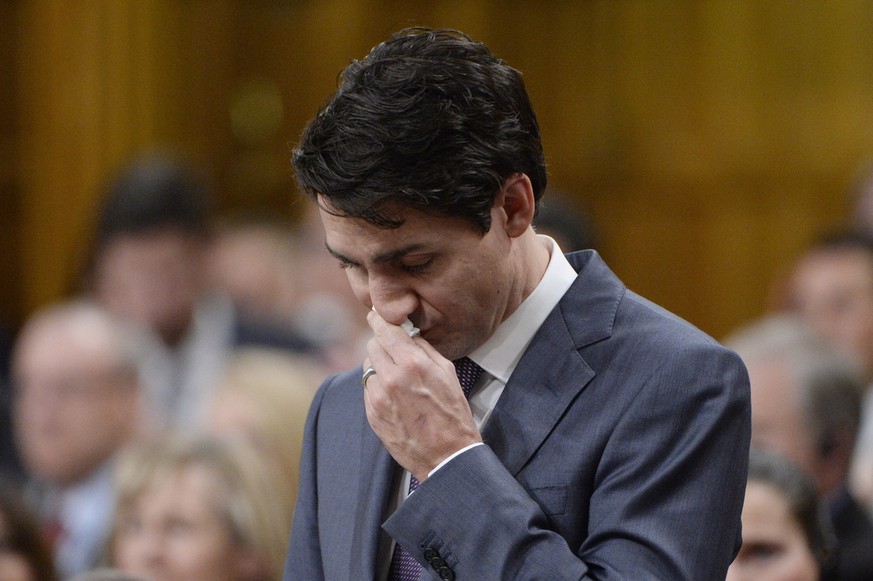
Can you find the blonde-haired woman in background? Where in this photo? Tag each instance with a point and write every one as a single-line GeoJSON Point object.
{"type": "Point", "coordinates": [199, 509]}
{"type": "Point", "coordinates": [264, 398]}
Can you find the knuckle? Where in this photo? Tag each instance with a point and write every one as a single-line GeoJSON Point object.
{"type": "Point", "coordinates": [416, 364]}
{"type": "Point", "coordinates": [391, 382]}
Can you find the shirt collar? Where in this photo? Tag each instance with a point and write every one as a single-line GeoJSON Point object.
{"type": "Point", "coordinates": [501, 352]}
{"type": "Point", "coordinates": [85, 503]}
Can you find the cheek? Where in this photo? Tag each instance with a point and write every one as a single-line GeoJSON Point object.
{"type": "Point", "coordinates": [15, 568]}
{"type": "Point", "coordinates": [93, 428]}
{"type": "Point", "coordinates": [485, 293]}
{"type": "Point", "coordinates": [126, 554]}
{"type": "Point", "coordinates": [136, 552]}
{"type": "Point", "coordinates": [796, 566]}
{"type": "Point", "coordinates": [204, 556]}
{"type": "Point", "coordinates": [361, 290]}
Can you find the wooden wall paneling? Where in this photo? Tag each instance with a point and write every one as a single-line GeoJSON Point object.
{"type": "Point", "coordinates": [57, 111]}
{"type": "Point", "coordinates": [291, 52]}
{"type": "Point", "coordinates": [100, 81]}
{"type": "Point", "coordinates": [728, 285]}
{"type": "Point", "coordinates": [10, 264]}
{"type": "Point", "coordinates": [741, 134]}
{"type": "Point", "coordinates": [204, 65]}
{"type": "Point", "coordinates": [267, 71]}
{"type": "Point", "coordinates": [711, 140]}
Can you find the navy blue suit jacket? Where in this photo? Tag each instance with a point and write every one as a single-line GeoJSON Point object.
{"type": "Point", "coordinates": [618, 450]}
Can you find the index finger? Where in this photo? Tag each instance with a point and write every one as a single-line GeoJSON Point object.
{"type": "Point", "coordinates": [395, 340]}
{"type": "Point", "coordinates": [377, 323]}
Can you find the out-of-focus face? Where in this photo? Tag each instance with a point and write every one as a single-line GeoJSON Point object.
{"type": "Point", "coordinates": [153, 278]}
{"type": "Point", "coordinates": [175, 531]}
{"type": "Point", "coordinates": [833, 289]}
{"type": "Point", "coordinates": [13, 565]}
{"type": "Point", "coordinates": [258, 271]}
{"type": "Point", "coordinates": [455, 284]}
{"type": "Point", "coordinates": [74, 406]}
{"type": "Point", "coordinates": [324, 279]}
{"type": "Point", "coordinates": [774, 546]}
{"type": "Point", "coordinates": [777, 417]}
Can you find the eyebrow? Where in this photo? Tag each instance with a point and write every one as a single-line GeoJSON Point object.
{"type": "Point", "coordinates": [379, 258]}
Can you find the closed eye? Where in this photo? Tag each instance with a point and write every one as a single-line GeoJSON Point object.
{"type": "Point", "coordinates": [418, 268]}
{"type": "Point", "coordinates": [761, 550]}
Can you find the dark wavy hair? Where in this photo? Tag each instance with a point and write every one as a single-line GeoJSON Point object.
{"type": "Point", "coordinates": [429, 119]}
{"type": "Point", "coordinates": [155, 190]}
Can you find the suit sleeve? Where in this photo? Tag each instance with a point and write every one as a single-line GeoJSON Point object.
{"type": "Point", "coordinates": [665, 502]}
{"type": "Point", "coordinates": [304, 560]}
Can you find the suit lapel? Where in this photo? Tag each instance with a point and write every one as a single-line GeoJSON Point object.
{"type": "Point", "coordinates": [512, 431]}
{"type": "Point", "coordinates": [583, 316]}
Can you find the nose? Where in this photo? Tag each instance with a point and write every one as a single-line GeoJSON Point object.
{"type": "Point", "coordinates": [392, 299]}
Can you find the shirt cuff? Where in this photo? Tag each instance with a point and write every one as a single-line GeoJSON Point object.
{"type": "Point", "coordinates": [456, 454]}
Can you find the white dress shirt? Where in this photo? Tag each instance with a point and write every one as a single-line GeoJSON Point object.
{"type": "Point", "coordinates": [180, 381]}
{"type": "Point", "coordinates": [85, 513]}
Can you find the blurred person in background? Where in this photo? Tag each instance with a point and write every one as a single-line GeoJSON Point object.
{"type": "Point", "coordinates": [264, 398]}
{"type": "Point", "coordinates": [861, 200]}
{"type": "Point", "coordinates": [562, 218]}
{"type": "Point", "coordinates": [281, 276]}
{"type": "Point", "coordinates": [198, 509]}
{"type": "Point", "coordinates": [104, 574]}
{"type": "Point", "coordinates": [149, 263]}
{"type": "Point", "coordinates": [787, 535]}
{"type": "Point", "coordinates": [10, 464]}
{"type": "Point", "coordinates": [806, 399]}
{"type": "Point", "coordinates": [24, 553]}
{"type": "Point", "coordinates": [255, 262]}
{"type": "Point", "coordinates": [831, 286]}
{"type": "Point", "coordinates": [77, 402]}
{"type": "Point", "coordinates": [327, 313]}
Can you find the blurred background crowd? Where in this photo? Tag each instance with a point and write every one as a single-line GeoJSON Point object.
{"type": "Point", "coordinates": [167, 309]}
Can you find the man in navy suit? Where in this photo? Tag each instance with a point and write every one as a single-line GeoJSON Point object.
{"type": "Point", "coordinates": [603, 438]}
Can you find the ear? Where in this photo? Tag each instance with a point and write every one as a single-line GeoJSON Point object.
{"type": "Point", "coordinates": [516, 200]}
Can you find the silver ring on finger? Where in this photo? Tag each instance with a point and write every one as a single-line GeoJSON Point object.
{"type": "Point", "coordinates": [370, 371]}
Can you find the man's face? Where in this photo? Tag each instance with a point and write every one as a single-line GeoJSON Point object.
{"type": "Point", "coordinates": [833, 289]}
{"type": "Point", "coordinates": [455, 284]}
{"type": "Point", "coordinates": [73, 405]}
{"type": "Point", "coordinates": [153, 278]}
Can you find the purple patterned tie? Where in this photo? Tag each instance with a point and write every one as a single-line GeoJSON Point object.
{"type": "Point", "coordinates": [403, 566]}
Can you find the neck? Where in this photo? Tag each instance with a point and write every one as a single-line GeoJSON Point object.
{"type": "Point", "coordinates": [535, 258]}
{"type": "Point", "coordinates": [530, 257]}
{"type": "Point", "coordinates": [531, 260]}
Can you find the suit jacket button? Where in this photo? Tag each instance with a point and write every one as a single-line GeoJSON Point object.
{"type": "Point", "coordinates": [429, 554]}
{"type": "Point", "coordinates": [446, 573]}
